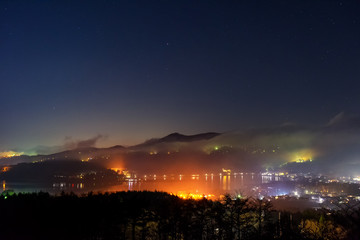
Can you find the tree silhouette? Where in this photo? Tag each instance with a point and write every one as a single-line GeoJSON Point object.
{"type": "Point", "coordinates": [158, 215]}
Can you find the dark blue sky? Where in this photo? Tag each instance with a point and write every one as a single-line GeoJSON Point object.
{"type": "Point", "coordinates": [132, 70]}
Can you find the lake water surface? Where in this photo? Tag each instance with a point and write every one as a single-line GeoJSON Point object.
{"type": "Point", "coordinates": [210, 184]}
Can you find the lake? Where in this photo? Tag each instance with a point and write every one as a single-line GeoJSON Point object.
{"type": "Point", "coordinates": [214, 185]}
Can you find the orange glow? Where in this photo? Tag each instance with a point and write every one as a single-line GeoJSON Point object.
{"type": "Point", "coordinates": [195, 196]}
{"type": "Point", "coordinates": [116, 164]}
{"type": "Point", "coordinates": [186, 188]}
{"type": "Point", "coordinates": [118, 170]}
{"type": "Point", "coordinates": [5, 169]}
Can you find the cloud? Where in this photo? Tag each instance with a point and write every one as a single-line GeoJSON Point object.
{"type": "Point", "coordinates": [345, 122]}
{"type": "Point", "coordinates": [91, 142]}
{"type": "Point", "coordinates": [69, 144]}
{"type": "Point", "coordinates": [338, 118]}
{"type": "Point", "coordinates": [333, 146]}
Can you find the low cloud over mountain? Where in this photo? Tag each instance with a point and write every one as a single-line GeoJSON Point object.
{"type": "Point", "coordinates": [69, 143]}
{"type": "Point", "coordinates": [334, 145]}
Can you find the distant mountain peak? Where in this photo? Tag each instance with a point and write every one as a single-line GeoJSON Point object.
{"type": "Point", "coordinates": [175, 134]}
{"type": "Point", "coordinates": [117, 146]}
{"type": "Point", "coordinates": [177, 137]}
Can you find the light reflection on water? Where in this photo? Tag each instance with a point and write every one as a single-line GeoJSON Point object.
{"type": "Point", "coordinates": [213, 184]}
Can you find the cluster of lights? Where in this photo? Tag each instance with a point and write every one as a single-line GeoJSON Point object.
{"type": "Point", "coordinates": [195, 196]}
{"type": "Point", "coordinates": [356, 178]}
{"type": "Point", "coordinates": [86, 159]}
{"type": "Point", "coordinates": [10, 154]}
{"type": "Point", "coordinates": [301, 160]}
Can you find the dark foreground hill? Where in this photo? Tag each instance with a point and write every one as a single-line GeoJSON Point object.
{"type": "Point", "coordinates": [158, 215]}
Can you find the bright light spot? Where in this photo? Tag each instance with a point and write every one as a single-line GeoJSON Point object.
{"type": "Point", "coordinates": [302, 156]}
{"type": "Point", "coordinates": [226, 170]}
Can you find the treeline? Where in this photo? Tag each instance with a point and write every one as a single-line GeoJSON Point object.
{"type": "Point", "coordinates": [158, 215]}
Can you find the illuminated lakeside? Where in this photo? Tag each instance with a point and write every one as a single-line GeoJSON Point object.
{"type": "Point", "coordinates": [314, 190]}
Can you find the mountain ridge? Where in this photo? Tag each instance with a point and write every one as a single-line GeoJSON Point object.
{"type": "Point", "coordinates": [79, 153]}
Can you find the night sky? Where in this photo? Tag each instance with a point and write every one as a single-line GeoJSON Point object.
{"type": "Point", "coordinates": [133, 70]}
